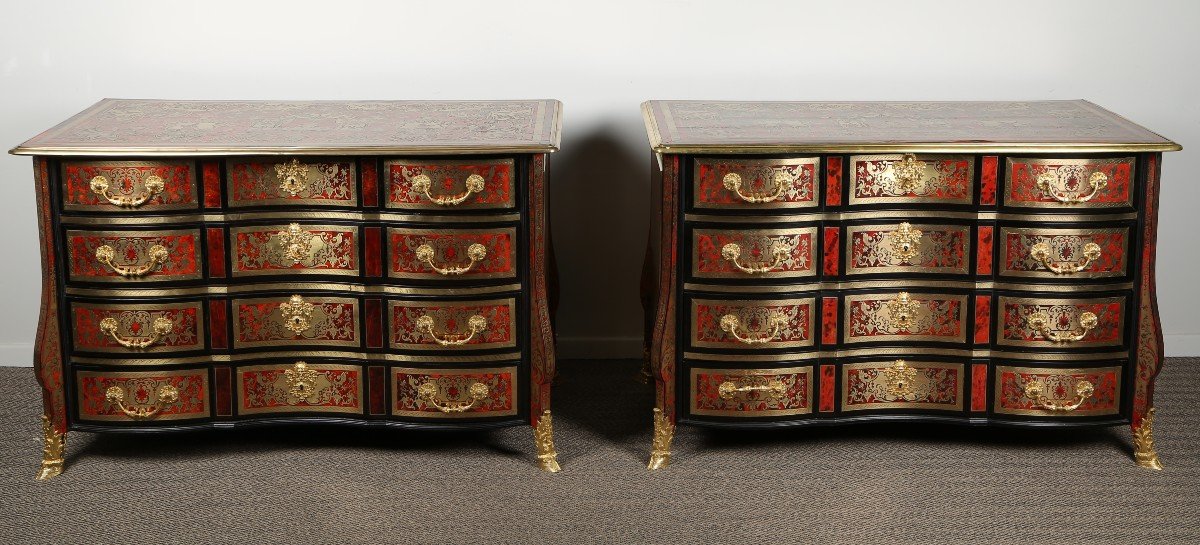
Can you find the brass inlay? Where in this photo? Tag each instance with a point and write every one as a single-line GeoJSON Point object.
{"type": "Point", "coordinates": [903, 178]}
{"type": "Point", "coordinates": [475, 252]}
{"type": "Point", "coordinates": [297, 314]}
{"type": "Point", "coordinates": [901, 351]}
{"type": "Point", "coordinates": [293, 177]}
{"type": "Point", "coordinates": [1053, 184]}
{"type": "Point", "coordinates": [251, 289]}
{"type": "Point", "coordinates": [902, 311]}
{"type": "Point", "coordinates": [256, 356]}
{"type": "Point", "coordinates": [153, 185]}
{"type": "Point", "coordinates": [421, 183]}
{"type": "Point", "coordinates": [431, 394]}
{"type": "Point", "coordinates": [164, 395]}
{"type": "Point", "coordinates": [907, 173]}
{"type": "Point", "coordinates": [732, 251]}
{"type": "Point", "coordinates": [732, 325]}
{"type": "Point", "coordinates": [156, 256]}
{"type": "Point", "coordinates": [899, 380]}
{"type": "Point", "coordinates": [905, 242]}
{"type": "Point", "coordinates": [159, 328]}
{"type": "Point", "coordinates": [1036, 389]}
{"type": "Point", "coordinates": [301, 382]}
{"type": "Point", "coordinates": [911, 214]}
{"type": "Point", "coordinates": [1039, 322]}
{"type": "Point", "coordinates": [1051, 380]}
{"type": "Point", "coordinates": [295, 242]}
{"type": "Point", "coordinates": [660, 449]}
{"type": "Point", "coordinates": [901, 384]}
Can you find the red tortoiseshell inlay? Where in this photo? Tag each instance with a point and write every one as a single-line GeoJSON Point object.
{"type": "Point", "coordinates": [265, 389]}
{"type": "Point", "coordinates": [372, 247]}
{"type": "Point", "coordinates": [450, 249]}
{"type": "Point", "coordinates": [449, 179]}
{"type": "Point", "coordinates": [133, 250]}
{"type": "Point", "coordinates": [758, 177]}
{"type": "Point", "coordinates": [373, 322]}
{"type": "Point", "coordinates": [1022, 189]}
{"type": "Point", "coordinates": [331, 249]}
{"type": "Point", "coordinates": [987, 188]}
{"type": "Point", "coordinates": [828, 388]}
{"type": "Point", "coordinates": [452, 321]}
{"type": "Point", "coordinates": [833, 180]}
{"type": "Point", "coordinates": [795, 395]}
{"type": "Point", "coordinates": [865, 386]}
{"type": "Point", "coordinates": [933, 317]}
{"type": "Point", "coordinates": [945, 180]}
{"type": "Point", "coordinates": [1064, 318]}
{"type": "Point", "coordinates": [258, 182]}
{"type": "Point", "coordinates": [261, 323]}
{"type": "Point", "coordinates": [216, 252]}
{"type": "Point", "coordinates": [141, 391]}
{"type": "Point", "coordinates": [217, 324]}
{"type": "Point", "coordinates": [1066, 247]}
{"type": "Point", "coordinates": [1059, 386]}
{"type": "Point", "coordinates": [832, 250]}
{"type": "Point", "coordinates": [983, 319]}
{"type": "Point", "coordinates": [185, 334]}
{"type": "Point", "coordinates": [126, 178]}
{"type": "Point", "coordinates": [370, 183]}
{"type": "Point", "coordinates": [212, 184]}
{"type": "Point", "coordinates": [979, 382]}
{"type": "Point", "coordinates": [222, 385]}
{"type": "Point", "coordinates": [756, 249]}
{"type": "Point", "coordinates": [754, 322]}
{"type": "Point", "coordinates": [983, 258]}
{"type": "Point", "coordinates": [377, 389]}
{"type": "Point", "coordinates": [454, 386]}
{"type": "Point", "coordinates": [829, 313]}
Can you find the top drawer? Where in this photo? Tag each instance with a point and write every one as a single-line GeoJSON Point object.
{"type": "Point", "coordinates": [123, 186]}
{"type": "Point", "coordinates": [756, 183]}
{"type": "Point", "coordinates": [273, 181]}
{"type": "Point", "coordinates": [1069, 183]}
{"type": "Point", "coordinates": [442, 184]}
{"type": "Point", "coordinates": [912, 179]}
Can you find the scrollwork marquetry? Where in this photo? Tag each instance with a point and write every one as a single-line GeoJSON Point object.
{"type": "Point", "coordinates": [297, 314]}
{"type": "Point", "coordinates": [295, 242]}
{"type": "Point", "coordinates": [732, 252]}
{"type": "Point", "coordinates": [903, 312]}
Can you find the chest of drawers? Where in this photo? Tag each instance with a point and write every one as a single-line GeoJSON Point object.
{"type": "Point", "coordinates": [827, 263]}
{"type": "Point", "coordinates": [216, 264]}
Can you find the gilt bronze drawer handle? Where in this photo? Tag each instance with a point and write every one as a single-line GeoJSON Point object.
{"type": "Point", "coordinates": [905, 242]}
{"type": "Point", "coordinates": [773, 388]}
{"type": "Point", "coordinates": [292, 176]}
{"type": "Point", "coordinates": [164, 395]}
{"type": "Point", "coordinates": [297, 314]}
{"type": "Point", "coordinates": [1036, 390]}
{"type": "Point", "coordinates": [782, 179]}
{"type": "Point", "coordinates": [476, 323]}
{"type": "Point", "coordinates": [1041, 252]}
{"type": "Point", "coordinates": [421, 183]}
{"type": "Point", "coordinates": [732, 325]}
{"type": "Point", "coordinates": [159, 328]}
{"type": "Point", "coordinates": [430, 393]}
{"type": "Point", "coordinates": [908, 171]}
{"type": "Point", "coordinates": [296, 243]}
{"type": "Point", "coordinates": [1039, 322]}
{"type": "Point", "coordinates": [1054, 183]}
{"type": "Point", "coordinates": [153, 184]}
{"type": "Point", "coordinates": [475, 252]}
{"type": "Point", "coordinates": [731, 252]}
{"type": "Point", "coordinates": [157, 255]}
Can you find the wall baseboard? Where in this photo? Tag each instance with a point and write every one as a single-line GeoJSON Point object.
{"type": "Point", "coordinates": [596, 348]}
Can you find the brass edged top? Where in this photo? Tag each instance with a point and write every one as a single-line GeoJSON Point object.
{"type": "Point", "coordinates": [1052, 126]}
{"type": "Point", "coordinates": [124, 127]}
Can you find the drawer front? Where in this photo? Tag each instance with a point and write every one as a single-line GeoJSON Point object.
{"type": "Point", "coordinates": [904, 247]}
{"type": "Point", "coordinates": [754, 254]}
{"type": "Point", "coordinates": [125, 186]}
{"type": "Point", "coordinates": [452, 254]}
{"type": "Point", "coordinates": [1044, 252]}
{"type": "Point", "coordinates": [753, 325]}
{"type": "Point", "coordinates": [454, 393]}
{"type": "Point", "coordinates": [902, 384]}
{"type": "Point", "coordinates": [912, 179]}
{"type": "Point", "coordinates": [450, 184]}
{"type": "Point", "coordinates": [296, 248]}
{"type": "Point", "coordinates": [300, 387]}
{"type": "Point", "coordinates": [1058, 393]}
{"type": "Point", "coordinates": [262, 181]}
{"type": "Point", "coordinates": [1047, 322]}
{"type": "Point", "coordinates": [296, 320]}
{"type": "Point", "coordinates": [751, 392]}
{"type": "Point", "coordinates": [1069, 183]}
{"type": "Point", "coordinates": [142, 396]}
{"type": "Point", "coordinates": [903, 316]}
{"type": "Point", "coordinates": [134, 256]}
{"type": "Point", "coordinates": [454, 326]}
{"type": "Point", "coordinates": [756, 183]}
{"type": "Point", "coordinates": [137, 328]}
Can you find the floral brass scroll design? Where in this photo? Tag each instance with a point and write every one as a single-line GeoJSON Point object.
{"type": "Point", "coordinates": [902, 312]}
{"type": "Point", "coordinates": [295, 242]}
{"type": "Point", "coordinates": [773, 388]}
{"type": "Point", "coordinates": [475, 324]}
{"type": "Point", "coordinates": [908, 172]}
{"type": "Point", "coordinates": [475, 253]}
{"type": "Point", "coordinates": [1039, 322]}
{"type": "Point", "coordinates": [153, 185]}
{"type": "Point", "coordinates": [297, 314]}
{"type": "Point", "coordinates": [543, 436]}
{"type": "Point", "coordinates": [1036, 390]}
{"type": "Point", "coordinates": [1041, 252]}
{"type": "Point", "coordinates": [732, 252]}
{"type": "Point", "coordinates": [159, 328]}
{"type": "Point", "coordinates": [293, 177]}
{"type": "Point", "coordinates": [164, 395]}
{"type": "Point", "coordinates": [422, 183]}
{"type": "Point", "coordinates": [905, 242]}
{"type": "Point", "coordinates": [301, 382]}
{"type": "Point", "coordinates": [781, 178]}
{"type": "Point", "coordinates": [899, 380]}
{"type": "Point", "coordinates": [664, 433]}
{"type": "Point", "coordinates": [732, 325]}
{"type": "Point", "coordinates": [156, 256]}
{"type": "Point", "coordinates": [1054, 183]}
{"type": "Point", "coordinates": [434, 397]}
{"type": "Point", "coordinates": [1143, 443]}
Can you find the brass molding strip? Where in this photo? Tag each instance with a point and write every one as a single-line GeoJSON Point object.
{"type": "Point", "coordinates": [909, 351]}
{"type": "Point", "coordinates": [289, 286]}
{"type": "Point", "coordinates": [902, 284]}
{"type": "Point", "coordinates": [124, 361]}
{"type": "Point", "coordinates": [1048, 217]}
{"type": "Point", "coordinates": [209, 151]}
{"type": "Point", "coordinates": [306, 215]}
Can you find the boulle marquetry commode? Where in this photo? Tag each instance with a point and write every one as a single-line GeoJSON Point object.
{"type": "Point", "coordinates": [827, 263]}
{"type": "Point", "coordinates": [214, 264]}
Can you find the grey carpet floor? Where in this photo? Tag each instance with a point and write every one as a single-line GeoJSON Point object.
{"type": "Point", "coordinates": [873, 483]}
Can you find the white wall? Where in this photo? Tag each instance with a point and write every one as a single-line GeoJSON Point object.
{"type": "Point", "coordinates": [602, 59]}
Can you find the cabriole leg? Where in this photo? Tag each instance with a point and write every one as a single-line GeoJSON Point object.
{"type": "Point", "coordinates": [1143, 443]}
{"type": "Point", "coordinates": [543, 435]}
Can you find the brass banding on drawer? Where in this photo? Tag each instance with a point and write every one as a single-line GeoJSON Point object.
{"type": "Point", "coordinates": [298, 182]}
{"type": "Point", "coordinates": [125, 186]}
{"type": "Point", "coordinates": [141, 396]}
{"type": "Point", "coordinates": [1069, 183]}
{"type": "Point", "coordinates": [452, 254]}
{"type": "Point", "coordinates": [134, 256]}
{"type": "Point", "coordinates": [909, 178]}
{"type": "Point", "coordinates": [1061, 323]}
{"type": "Point", "coordinates": [296, 320]}
{"type": "Point", "coordinates": [905, 247]}
{"type": "Point", "coordinates": [137, 328]}
{"type": "Point", "coordinates": [753, 324]}
{"type": "Point", "coordinates": [1058, 392]}
{"type": "Point", "coordinates": [755, 253]}
{"type": "Point", "coordinates": [902, 384]}
{"type": "Point", "coordinates": [1064, 253]}
{"type": "Point", "coordinates": [294, 248]}
{"type": "Point", "coordinates": [454, 393]}
{"type": "Point", "coordinates": [452, 325]}
{"type": "Point", "coordinates": [784, 391]}
{"type": "Point", "coordinates": [300, 387]}
{"type": "Point", "coordinates": [450, 184]}
{"type": "Point", "coordinates": [782, 183]}
{"type": "Point", "coordinates": [904, 316]}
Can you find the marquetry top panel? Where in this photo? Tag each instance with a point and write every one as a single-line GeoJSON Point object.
{"type": "Point", "coordinates": [186, 127]}
{"type": "Point", "coordinates": [684, 126]}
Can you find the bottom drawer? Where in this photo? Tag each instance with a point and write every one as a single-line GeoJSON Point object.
{"type": "Point", "coordinates": [454, 393]}
{"type": "Point", "coordinates": [751, 392]}
{"type": "Point", "coordinates": [902, 384]}
{"type": "Point", "coordinates": [299, 387]}
{"type": "Point", "coordinates": [1056, 392]}
{"type": "Point", "coordinates": [142, 396]}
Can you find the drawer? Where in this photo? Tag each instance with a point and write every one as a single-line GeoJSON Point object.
{"type": "Point", "coordinates": [753, 324]}
{"type": "Point", "coordinates": [904, 247]}
{"type": "Point", "coordinates": [142, 396]}
{"type": "Point", "coordinates": [1047, 252]}
{"type": "Point", "coordinates": [912, 179]}
{"type": "Point", "coordinates": [904, 316]}
{"type": "Point", "coordinates": [454, 393]}
{"type": "Point", "coordinates": [134, 256]}
{"type": "Point", "coordinates": [295, 248]}
{"type": "Point", "coordinates": [763, 254]}
{"type": "Point", "coordinates": [735, 183]}
{"type": "Point", "coordinates": [902, 384]}
{"type": "Point", "coordinates": [452, 254]}
{"type": "Point", "coordinates": [1052, 392]}
{"type": "Point", "coordinates": [453, 325]}
{"type": "Point", "coordinates": [1069, 183]}
{"type": "Point", "coordinates": [309, 320]}
{"type": "Point", "coordinates": [278, 181]}
{"type": "Point", "coordinates": [1053, 322]}
{"type": "Point", "coordinates": [124, 186]}
{"type": "Point", "coordinates": [450, 184]}
{"type": "Point", "coordinates": [299, 387]}
{"type": "Point", "coordinates": [743, 393]}
{"type": "Point", "coordinates": [128, 328]}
